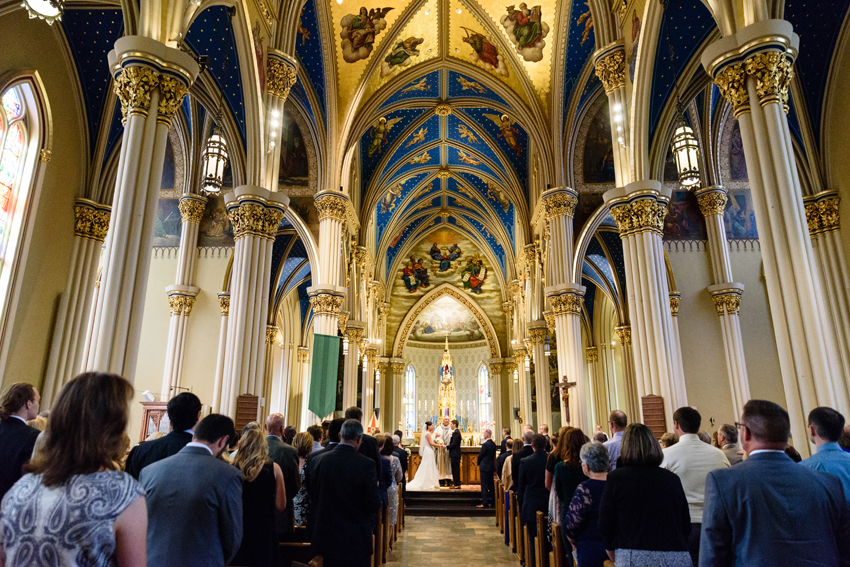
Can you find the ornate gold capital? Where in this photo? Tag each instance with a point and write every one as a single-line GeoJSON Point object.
{"type": "Point", "coordinates": [383, 365]}
{"type": "Point", "coordinates": [171, 93]}
{"type": "Point", "coordinates": [177, 304]}
{"type": "Point", "coordinates": [713, 203]}
{"type": "Point", "coordinates": [398, 368]}
{"type": "Point", "coordinates": [624, 333]}
{"type": "Point", "coordinates": [675, 300]}
{"type": "Point", "coordinates": [773, 72]}
{"type": "Point", "coordinates": [732, 82]}
{"type": "Point", "coordinates": [331, 206]}
{"type": "Point", "coordinates": [549, 317]}
{"type": "Point", "coordinates": [224, 304]}
{"type": "Point", "coordinates": [280, 77]}
{"type": "Point", "coordinates": [303, 354]}
{"type": "Point", "coordinates": [326, 304]}
{"type": "Point", "coordinates": [191, 210]}
{"type": "Point", "coordinates": [371, 355]}
{"type": "Point", "coordinates": [510, 367]}
{"type": "Point", "coordinates": [355, 335]}
{"type": "Point", "coordinates": [612, 71]}
{"type": "Point", "coordinates": [515, 288]}
{"type": "Point", "coordinates": [538, 335]}
{"type": "Point", "coordinates": [91, 220]}
{"type": "Point", "coordinates": [343, 321]}
{"type": "Point", "coordinates": [822, 212]}
{"type": "Point", "coordinates": [727, 302]}
{"type": "Point", "coordinates": [559, 204]}
{"type": "Point", "coordinates": [508, 307]}
{"type": "Point", "coordinates": [569, 303]}
{"type": "Point", "coordinates": [46, 155]}
{"type": "Point", "coordinates": [496, 368]}
{"type": "Point", "coordinates": [443, 109]}
{"type": "Point", "coordinates": [271, 334]}
{"type": "Point", "coordinates": [640, 215]}
{"type": "Point", "coordinates": [592, 354]}
{"type": "Point", "coordinates": [133, 87]}
{"type": "Point", "coordinates": [253, 219]}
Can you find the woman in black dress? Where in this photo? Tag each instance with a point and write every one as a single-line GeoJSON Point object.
{"type": "Point", "coordinates": [263, 491]}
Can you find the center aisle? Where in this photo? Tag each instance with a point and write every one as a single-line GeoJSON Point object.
{"type": "Point", "coordinates": [438, 542]}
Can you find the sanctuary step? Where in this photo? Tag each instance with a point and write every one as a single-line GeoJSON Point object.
{"type": "Point", "coordinates": [445, 502]}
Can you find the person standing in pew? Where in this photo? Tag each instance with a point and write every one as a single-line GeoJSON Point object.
{"type": "Point", "coordinates": [532, 496]}
{"type": "Point", "coordinates": [286, 458]}
{"type": "Point", "coordinates": [343, 500]}
{"type": "Point", "coordinates": [486, 468]}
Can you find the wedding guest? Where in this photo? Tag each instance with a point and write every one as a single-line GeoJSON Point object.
{"type": "Point", "coordinates": [527, 451]}
{"type": "Point", "coordinates": [368, 445]}
{"type": "Point", "coordinates": [617, 422]}
{"type": "Point", "coordinates": [194, 501]}
{"type": "Point", "coordinates": [580, 519]}
{"type": "Point", "coordinates": [705, 437]}
{"type": "Point", "coordinates": [184, 410]}
{"type": "Point", "coordinates": [385, 479]}
{"type": "Point", "coordinates": [74, 507]}
{"type": "Point", "coordinates": [600, 436]}
{"type": "Point", "coordinates": [568, 471]}
{"type": "Point", "coordinates": [344, 494]}
{"type": "Point", "coordinates": [18, 404]}
{"type": "Point", "coordinates": [263, 492]}
{"type": "Point", "coordinates": [544, 431]}
{"type": "Point", "coordinates": [556, 456]}
{"type": "Point", "coordinates": [487, 468]}
{"type": "Point", "coordinates": [727, 440]}
{"type": "Point", "coordinates": [508, 479]}
{"type": "Point", "coordinates": [643, 515]}
{"type": "Point", "coordinates": [825, 428]}
{"type": "Point", "coordinates": [395, 477]}
{"type": "Point", "coordinates": [401, 454]}
{"type": "Point", "coordinates": [793, 454]}
{"type": "Point", "coordinates": [286, 458]}
{"type": "Point", "coordinates": [303, 443]}
{"type": "Point", "coordinates": [507, 441]}
{"type": "Point", "coordinates": [532, 496]}
{"type": "Point", "coordinates": [289, 434]}
{"type": "Point", "coordinates": [503, 457]}
{"type": "Point", "coordinates": [316, 432]}
{"type": "Point", "coordinates": [844, 441]}
{"type": "Point", "coordinates": [668, 440]}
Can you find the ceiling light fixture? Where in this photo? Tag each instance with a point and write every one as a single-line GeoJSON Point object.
{"type": "Point", "coordinates": [47, 10]}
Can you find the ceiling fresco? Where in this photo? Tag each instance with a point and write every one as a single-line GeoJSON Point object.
{"type": "Point", "coordinates": [445, 256]}
{"type": "Point", "coordinates": [310, 54]}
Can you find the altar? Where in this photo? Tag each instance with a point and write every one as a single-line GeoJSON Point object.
{"type": "Point", "coordinates": [469, 473]}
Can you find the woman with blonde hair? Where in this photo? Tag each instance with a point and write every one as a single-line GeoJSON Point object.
{"type": "Point", "coordinates": [73, 481]}
{"type": "Point", "coordinates": [303, 443]}
{"type": "Point", "coordinates": [263, 491]}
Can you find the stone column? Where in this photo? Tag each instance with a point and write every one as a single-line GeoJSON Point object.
{"type": "Point", "coordinates": [725, 293]}
{"type": "Point", "coordinates": [676, 351]}
{"type": "Point", "coordinates": [537, 332]}
{"type": "Point", "coordinates": [523, 385]}
{"type": "Point", "coordinates": [496, 366]}
{"type": "Point", "coordinates": [381, 388]}
{"type": "Point", "coordinates": [281, 74]}
{"type": "Point", "coordinates": [268, 371]}
{"type": "Point", "coordinates": [752, 69]}
{"type": "Point", "coordinates": [224, 306]}
{"type": "Point", "coordinates": [633, 388]}
{"type": "Point", "coordinates": [639, 210]}
{"type": "Point", "coordinates": [610, 65]}
{"type": "Point", "coordinates": [256, 215]}
{"type": "Point", "coordinates": [67, 350]}
{"type": "Point", "coordinates": [567, 300]}
{"type": "Point", "coordinates": [354, 330]}
{"type": "Point", "coordinates": [181, 295]}
{"type": "Point", "coordinates": [150, 81]}
{"type": "Point", "coordinates": [823, 221]}
{"type": "Point", "coordinates": [368, 384]}
{"type": "Point", "coordinates": [598, 388]}
{"type": "Point", "coordinates": [397, 365]}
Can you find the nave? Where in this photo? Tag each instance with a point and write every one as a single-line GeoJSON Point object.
{"type": "Point", "coordinates": [441, 542]}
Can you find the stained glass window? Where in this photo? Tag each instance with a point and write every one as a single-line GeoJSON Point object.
{"type": "Point", "coordinates": [409, 401]}
{"type": "Point", "coordinates": [485, 399]}
{"type": "Point", "coordinates": [12, 105]}
{"type": "Point", "coordinates": [10, 159]}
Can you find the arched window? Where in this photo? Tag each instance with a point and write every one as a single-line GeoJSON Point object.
{"type": "Point", "coordinates": [409, 401]}
{"type": "Point", "coordinates": [485, 398]}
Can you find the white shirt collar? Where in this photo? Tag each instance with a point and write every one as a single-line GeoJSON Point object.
{"type": "Point", "coordinates": [18, 417]}
{"type": "Point", "coordinates": [729, 445]}
{"type": "Point", "coordinates": [196, 444]}
{"type": "Point", "coordinates": [757, 451]}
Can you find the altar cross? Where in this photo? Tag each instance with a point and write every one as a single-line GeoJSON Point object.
{"type": "Point", "coordinates": [565, 396]}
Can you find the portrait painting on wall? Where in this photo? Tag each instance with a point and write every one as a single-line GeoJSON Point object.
{"type": "Point", "coordinates": [446, 318]}
{"type": "Point", "coordinates": [294, 165]}
{"type": "Point", "coordinates": [598, 149]}
{"type": "Point", "coordinates": [684, 220]}
{"type": "Point", "coordinates": [587, 205]}
{"type": "Point", "coordinates": [168, 223]}
{"type": "Point", "coordinates": [737, 164]}
{"type": "Point", "coordinates": [215, 228]}
{"type": "Point", "coordinates": [739, 217]}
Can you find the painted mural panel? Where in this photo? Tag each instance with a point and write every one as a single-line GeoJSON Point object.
{"type": "Point", "coordinates": [169, 226]}
{"type": "Point", "coordinates": [684, 220]}
{"type": "Point", "coordinates": [294, 164]}
{"type": "Point", "coordinates": [215, 228]}
{"type": "Point", "coordinates": [446, 318]}
{"type": "Point", "coordinates": [598, 158]}
{"type": "Point", "coordinates": [737, 163]}
{"type": "Point", "coordinates": [739, 217]}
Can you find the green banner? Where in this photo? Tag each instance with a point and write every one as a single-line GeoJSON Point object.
{"type": "Point", "coordinates": [324, 376]}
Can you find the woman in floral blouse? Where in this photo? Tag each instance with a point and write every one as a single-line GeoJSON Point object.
{"type": "Point", "coordinates": [580, 521]}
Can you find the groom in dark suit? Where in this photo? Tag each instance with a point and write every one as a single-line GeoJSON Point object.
{"type": "Point", "coordinates": [454, 454]}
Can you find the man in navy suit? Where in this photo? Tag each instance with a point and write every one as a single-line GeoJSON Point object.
{"type": "Point", "coordinates": [532, 495]}
{"type": "Point", "coordinates": [454, 454]}
{"type": "Point", "coordinates": [183, 412]}
{"type": "Point", "coordinates": [18, 405]}
{"type": "Point", "coordinates": [769, 511]}
{"type": "Point", "coordinates": [486, 468]}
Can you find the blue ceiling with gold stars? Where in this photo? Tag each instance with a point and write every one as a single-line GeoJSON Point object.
{"type": "Point", "coordinates": [311, 60]}
{"type": "Point", "coordinates": [581, 42]}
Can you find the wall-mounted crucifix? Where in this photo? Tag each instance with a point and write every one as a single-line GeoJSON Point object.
{"type": "Point", "coordinates": [565, 386]}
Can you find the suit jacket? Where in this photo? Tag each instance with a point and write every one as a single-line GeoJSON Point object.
{"type": "Point", "coordinates": [402, 456]}
{"type": "Point", "coordinates": [344, 494]}
{"type": "Point", "coordinates": [148, 452]}
{"type": "Point", "coordinates": [194, 509]}
{"type": "Point", "coordinates": [286, 458]}
{"type": "Point", "coordinates": [769, 511]}
{"type": "Point", "coordinates": [527, 451]}
{"type": "Point", "coordinates": [500, 462]}
{"type": "Point", "coordinates": [487, 457]}
{"type": "Point", "coordinates": [503, 447]}
{"type": "Point", "coordinates": [454, 445]}
{"type": "Point", "coordinates": [369, 448]}
{"type": "Point", "coordinates": [731, 452]}
{"type": "Point", "coordinates": [17, 440]}
{"type": "Point", "coordinates": [532, 495]}
{"type": "Point", "coordinates": [691, 459]}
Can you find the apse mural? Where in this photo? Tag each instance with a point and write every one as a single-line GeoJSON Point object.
{"type": "Point", "coordinates": [684, 219]}
{"type": "Point", "coordinates": [598, 161]}
{"type": "Point", "coordinates": [294, 164]}
{"type": "Point", "coordinates": [444, 319]}
{"type": "Point", "coordinates": [485, 52]}
{"type": "Point", "coordinates": [401, 55]}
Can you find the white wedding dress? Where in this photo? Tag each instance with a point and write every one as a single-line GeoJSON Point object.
{"type": "Point", "coordinates": [427, 476]}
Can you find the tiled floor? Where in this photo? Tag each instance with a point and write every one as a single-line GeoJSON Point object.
{"type": "Point", "coordinates": [442, 542]}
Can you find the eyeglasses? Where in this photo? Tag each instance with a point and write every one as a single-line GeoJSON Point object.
{"type": "Point", "coordinates": [739, 425]}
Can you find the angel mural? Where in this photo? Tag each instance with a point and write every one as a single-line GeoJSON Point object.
{"type": "Point", "coordinates": [420, 85]}
{"type": "Point", "coordinates": [388, 201]}
{"type": "Point", "coordinates": [526, 30]}
{"type": "Point", "coordinates": [466, 158]}
{"type": "Point", "coordinates": [401, 55]}
{"type": "Point", "coordinates": [379, 133]}
{"type": "Point", "coordinates": [445, 256]}
{"type": "Point", "coordinates": [474, 274]}
{"type": "Point", "coordinates": [498, 194]}
{"type": "Point", "coordinates": [359, 32]}
{"type": "Point", "coordinates": [485, 53]}
{"type": "Point", "coordinates": [467, 85]}
{"type": "Point", "coordinates": [417, 137]}
{"type": "Point", "coordinates": [509, 133]}
{"type": "Point", "coordinates": [466, 133]}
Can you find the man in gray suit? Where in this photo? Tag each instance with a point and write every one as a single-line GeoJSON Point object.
{"type": "Point", "coordinates": [286, 458]}
{"type": "Point", "coordinates": [194, 501]}
{"type": "Point", "coordinates": [767, 510]}
{"type": "Point", "coordinates": [727, 440]}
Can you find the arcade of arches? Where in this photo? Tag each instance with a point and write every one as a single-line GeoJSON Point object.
{"type": "Point", "coordinates": [300, 206]}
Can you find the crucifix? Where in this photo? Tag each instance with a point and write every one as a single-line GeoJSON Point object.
{"type": "Point", "coordinates": [565, 396]}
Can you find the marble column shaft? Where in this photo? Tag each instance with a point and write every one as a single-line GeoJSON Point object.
{"type": "Point", "coordinates": [567, 300]}
{"type": "Point", "coordinates": [633, 388]}
{"type": "Point", "coordinates": [224, 306]}
{"type": "Point", "coordinates": [150, 81]}
{"type": "Point", "coordinates": [537, 332]}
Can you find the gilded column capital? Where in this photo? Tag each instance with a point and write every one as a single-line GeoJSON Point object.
{"type": "Point", "coordinates": [712, 200]}
{"type": "Point", "coordinates": [91, 220]}
{"type": "Point", "coordinates": [538, 335]}
{"type": "Point", "coordinates": [224, 303]}
{"type": "Point", "coordinates": [510, 367]}
{"type": "Point", "coordinates": [643, 214]}
{"type": "Point", "coordinates": [281, 73]}
{"type": "Point", "coordinates": [549, 317]}
{"type": "Point", "coordinates": [773, 72]}
{"type": "Point", "coordinates": [192, 208]}
{"type": "Point", "coordinates": [675, 300]}
{"type": "Point", "coordinates": [271, 334]}
{"type": "Point", "coordinates": [331, 205]}
{"type": "Point", "coordinates": [253, 218]}
{"type": "Point", "coordinates": [180, 304]}
{"type": "Point", "coordinates": [727, 297]}
{"type": "Point", "coordinates": [361, 255]}
{"type": "Point", "coordinates": [171, 93]}
{"type": "Point", "coordinates": [624, 333]}
{"type": "Point", "coordinates": [508, 307]}
{"type": "Point", "coordinates": [732, 82]}
{"type": "Point", "coordinates": [560, 202]}
{"type": "Point", "coordinates": [530, 251]}
{"type": "Point", "coordinates": [514, 288]}
{"type": "Point", "coordinates": [303, 354]}
{"type": "Point", "coordinates": [611, 70]}
{"type": "Point", "coordinates": [343, 321]}
{"type": "Point", "coordinates": [496, 368]}
{"type": "Point", "coordinates": [383, 364]}
{"type": "Point", "coordinates": [371, 355]}
{"type": "Point", "coordinates": [354, 334]}
{"type": "Point", "coordinates": [566, 303]}
{"type": "Point", "coordinates": [398, 368]}
{"type": "Point", "coordinates": [133, 86]}
{"type": "Point", "coordinates": [326, 303]}
{"type": "Point", "coordinates": [592, 354]}
{"type": "Point", "coordinates": [822, 212]}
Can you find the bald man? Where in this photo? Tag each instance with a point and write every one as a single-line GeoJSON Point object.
{"type": "Point", "coordinates": [287, 459]}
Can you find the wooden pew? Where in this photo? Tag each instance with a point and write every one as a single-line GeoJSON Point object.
{"type": "Point", "coordinates": [377, 553]}
{"type": "Point", "coordinates": [511, 521]}
{"type": "Point", "coordinates": [385, 512]}
{"type": "Point", "coordinates": [498, 506]}
{"type": "Point", "coordinates": [526, 544]}
{"type": "Point", "coordinates": [294, 551]}
{"type": "Point", "coordinates": [556, 556]}
{"type": "Point", "coordinates": [520, 541]}
{"type": "Point", "coordinates": [541, 556]}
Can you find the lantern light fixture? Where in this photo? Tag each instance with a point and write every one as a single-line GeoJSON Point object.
{"type": "Point", "coordinates": [344, 346]}
{"type": "Point", "coordinates": [214, 159]}
{"type": "Point", "coordinates": [685, 149]}
{"type": "Point", "coordinates": [47, 10]}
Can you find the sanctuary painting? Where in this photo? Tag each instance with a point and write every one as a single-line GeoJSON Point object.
{"type": "Point", "coordinates": [485, 53]}
{"type": "Point", "coordinates": [737, 164]}
{"type": "Point", "coordinates": [169, 225]}
{"type": "Point", "coordinates": [739, 217]}
{"type": "Point", "coordinates": [526, 30]}
{"type": "Point", "coordinates": [401, 55]}
{"type": "Point", "coordinates": [598, 157]}
{"type": "Point", "coordinates": [294, 163]}
{"type": "Point", "coordinates": [684, 220]}
{"type": "Point", "coordinates": [359, 32]}
{"type": "Point", "coordinates": [446, 318]}
{"type": "Point", "coordinates": [379, 132]}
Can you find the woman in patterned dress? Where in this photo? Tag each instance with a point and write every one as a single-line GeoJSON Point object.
{"type": "Point", "coordinates": [74, 506]}
{"type": "Point", "coordinates": [303, 443]}
{"type": "Point", "coordinates": [395, 468]}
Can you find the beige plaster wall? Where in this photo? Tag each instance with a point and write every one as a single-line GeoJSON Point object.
{"type": "Point", "coordinates": [703, 354]}
{"type": "Point", "coordinates": [52, 222]}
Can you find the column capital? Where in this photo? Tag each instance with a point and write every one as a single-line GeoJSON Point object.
{"type": "Point", "coordinates": [508, 306]}
{"type": "Point", "coordinates": [255, 211]}
{"type": "Point", "coordinates": [192, 208]}
{"type": "Point", "coordinates": [610, 65]}
{"type": "Point", "coordinates": [559, 202]}
{"type": "Point", "coordinates": [675, 300]}
{"type": "Point", "coordinates": [326, 300]}
{"type": "Point", "coordinates": [549, 317]}
{"type": "Point", "coordinates": [224, 303]}
{"type": "Point", "coordinates": [566, 298]}
{"type": "Point", "coordinates": [592, 354]}
{"type": "Point", "coordinates": [496, 367]}
{"type": "Point", "coordinates": [181, 299]}
{"type": "Point", "coordinates": [355, 330]}
{"type": "Point", "coordinates": [91, 220]}
{"type": "Point", "coordinates": [281, 73]}
{"type": "Point", "coordinates": [726, 297]}
{"type": "Point", "coordinates": [624, 333]}
{"type": "Point", "coordinates": [271, 334]}
{"type": "Point", "coordinates": [371, 354]}
{"type": "Point", "coordinates": [343, 321]}
{"type": "Point", "coordinates": [303, 354]}
{"type": "Point", "coordinates": [537, 332]}
{"type": "Point", "coordinates": [331, 205]}
{"type": "Point", "coordinates": [397, 366]}
{"type": "Point", "coordinates": [822, 212]}
{"type": "Point", "coordinates": [638, 207]}
{"type": "Point", "coordinates": [712, 200]}
{"type": "Point", "coordinates": [510, 367]}
{"type": "Point", "coordinates": [383, 364]}
{"type": "Point", "coordinates": [515, 288]}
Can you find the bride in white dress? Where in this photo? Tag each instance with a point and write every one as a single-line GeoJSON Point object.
{"type": "Point", "coordinates": [427, 476]}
